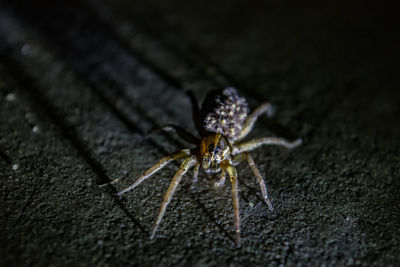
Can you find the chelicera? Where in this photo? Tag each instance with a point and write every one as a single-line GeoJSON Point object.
{"type": "Point", "coordinates": [222, 123]}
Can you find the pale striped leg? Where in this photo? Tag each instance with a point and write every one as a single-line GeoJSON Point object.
{"type": "Point", "coordinates": [161, 164]}
{"type": "Point", "coordinates": [235, 197]}
{"type": "Point", "coordinates": [260, 179]}
{"type": "Point", "coordinates": [237, 159]}
{"type": "Point", "coordinates": [252, 118]}
{"type": "Point", "coordinates": [185, 166]}
{"type": "Point", "coordinates": [255, 143]}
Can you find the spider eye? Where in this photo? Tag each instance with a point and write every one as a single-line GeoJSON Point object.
{"type": "Point", "coordinates": [211, 148]}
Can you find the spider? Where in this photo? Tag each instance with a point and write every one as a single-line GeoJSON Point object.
{"type": "Point", "coordinates": [222, 122]}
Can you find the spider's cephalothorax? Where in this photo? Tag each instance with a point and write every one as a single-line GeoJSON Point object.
{"type": "Point", "coordinates": [222, 123]}
{"type": "Point", "coordinates": [214, 149]}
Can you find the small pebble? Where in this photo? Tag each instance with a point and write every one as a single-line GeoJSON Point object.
{"type": "Point", "coordinates": [26, 49]}
{"type": "Point", "coordinates": [11, 97]}
{"type": "Point", "coordinates": [15, 167]}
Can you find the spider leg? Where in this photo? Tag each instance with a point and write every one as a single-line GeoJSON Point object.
{"type": "Point", "coordinates": [158, 166]}
{"type": "Point", "coordinates": [238, 159]}
{"type": "Point", "coordinates": [245, 155]}
{"type": "Point", "coordinates": [255, 143]}
{"type": "Point", "coordinates": [196, 172]}
{"type": "Point", "coordinates": [235, 197]}
{"type": "Point", "coordinates": [260, 179]}
{"type": "Point", "coordinates": [185, 166]}
{"type": "Point", "coordinates": [252, 118]}
{"type": "Point", "coordinates": [185, 135]}
{"type": "Point", "coordinates": [195, 113]}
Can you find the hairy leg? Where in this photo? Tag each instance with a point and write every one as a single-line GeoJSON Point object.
{"type": "Point", "coordinates": [235, 197]}
{"type": "Point", "coordinates": [237, 159]}
{"type": "Point", "coordinates": [185, 135]}
{"type": "Point", "coordinates": [185, 166]}
{"type": "Point", "coordinates": [164, 161]}
{"type": "Point", "coordinates": [260, 179]}
{"type": "Point", "coordinates": [255, 143]}
{"type": "Point", "coordinates": [252, 118]}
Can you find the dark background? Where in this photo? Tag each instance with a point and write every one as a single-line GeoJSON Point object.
{"type": "Point", "coordinates": [82, 82]}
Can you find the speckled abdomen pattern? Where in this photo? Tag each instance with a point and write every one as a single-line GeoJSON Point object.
{"type": "Point", "coordinates": [224, 112]}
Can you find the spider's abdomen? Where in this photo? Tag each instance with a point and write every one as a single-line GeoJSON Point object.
{"type": "Point", "coordinates": [224, 112]}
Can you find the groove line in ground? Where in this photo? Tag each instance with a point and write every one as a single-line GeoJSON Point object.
{"type": "Point", "coordinates": [74, 139]}
{"type": "Point", "coordinates": [195, 58]}
{"type": "Point", "coordinates": [44, 106]}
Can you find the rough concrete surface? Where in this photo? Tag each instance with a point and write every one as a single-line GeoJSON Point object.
{"type": "Point", "coordinates": [83, 82]}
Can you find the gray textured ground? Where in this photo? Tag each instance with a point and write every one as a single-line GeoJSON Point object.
{"type": "Point", "coordinates": [81, 84]}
